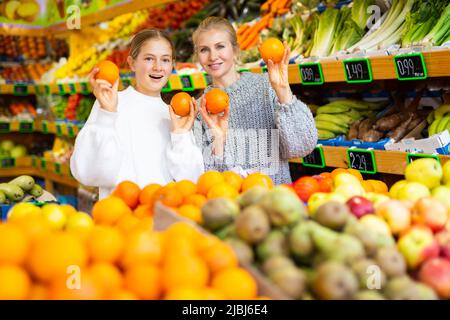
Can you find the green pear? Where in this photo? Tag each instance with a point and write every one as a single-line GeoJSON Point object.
{"type": "Point", "coordinates": [291, 281]}
{"type": "Point", "coordinates": [334, 281]}
{"type": "Point", "coordinates": [275, 244]}
{"type": "Point", "coordinates": [276, 263]}
{"type": "Point", "coordinates": [300, 242]}
{"type": "Point", "coordinates": [243, 251]}
{"type": "Point", "coordinates": [252, 225]}
{"type": "Point", "coordinates": [218, 213]}
{"type": "Point", "coordinates": [251, 196]}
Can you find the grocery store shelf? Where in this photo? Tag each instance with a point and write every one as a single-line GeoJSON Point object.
{"type": "Point", "coordinates": [58, 128]}
{"type": "Point", "coordinates": [337, 157]}
{"type": "Point", "coordinates": [93, 18]}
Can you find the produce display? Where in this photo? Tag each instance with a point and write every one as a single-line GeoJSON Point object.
{"type": "Point", "coordinates": [9, 149]}
{"type": "Point", "coordinates": [74, 107]}
{"type": "Point", "coordinates": [20, 189]}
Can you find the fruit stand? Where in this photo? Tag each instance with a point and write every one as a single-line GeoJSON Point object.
{"type": "Point", "coordinates": [367, 216]}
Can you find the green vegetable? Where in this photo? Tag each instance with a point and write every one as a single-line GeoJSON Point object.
{"type": "Point", "coordinates": [324, 36]}
{"type": "Point", "coordinates": [441, 30]}
{"type": "Point", "coordinates": [347, 32]}
{"type": "Point", "coordinates": [359, 12]}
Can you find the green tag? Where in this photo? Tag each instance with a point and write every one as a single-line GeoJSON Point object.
{"type": "Point", "coordinates": [187, 83]}
{"type": "Point", "coordinates": [362, 160]}
{"type": "Point", "coordinates": [20, 90]}
{"type": "Point", "coordinates": [37, 90]}
{"type": "Point", "coordinates": [72, 88]}
{"type": "Point", "coordinates": [244, 70]}
{"type": "Point", "coordinates": [33, 161]}
{"type": "Point", "coordinates": [26, 126]}
{"type": "Point", "coordinates": [311, 73]}
{"type": "Point", "coordinates": [7, 162]}
{"type": "Point", "coordinates": [410, 66]}
{"type": "Point", "coordinates": [70, 132]}
{"type": "Point", "coordinates": [58, 168]}
{"type": "Point", "coordinates": [208, 79]}
{"type": "Point", "coordinates": [315, 159]}
{"type": "Point", "coordinates": [357, 70]}
{"type": "Point", "coordinates": [410, 157]}
{"type": "Point", "coordinates": [264, 69]}
{"type": "Point", "coordinates": [43, 164]}
{"type": "Point", "coordinates": [84, 88]}
{"type": "Point", "coordinates": [44, 124]}
{"type": "Point", "coordinates": [126, 82]}
{"type": "Point", "coordinates": [59, 132]}
{"type": "Point", "coordinates": [5, 127]}
{"type": "Point", "coordinates": [47, 89]}
{"type": "Point", "coordinates": [61, 89]}
{"type": "Point", "coordinates": [167, 87]}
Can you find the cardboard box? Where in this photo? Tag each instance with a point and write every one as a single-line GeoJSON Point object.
{"type": "Point", "coordinates": [438, 143]}
{"type": "Point", "coordinates": [164, 217]}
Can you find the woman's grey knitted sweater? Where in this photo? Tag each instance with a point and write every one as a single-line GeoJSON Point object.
{"type": "Point", "coordinates": [262, 134]}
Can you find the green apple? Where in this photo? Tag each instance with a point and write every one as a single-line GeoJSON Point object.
{"type": "Point", "coordinates": [315, 201]}
{"type": "Point", "coordinates": [344, 179]}
{"type": "Point", "coordinates": [442, 193]}
{"type": "Point", "coordinates": [413, 191]}
{"type": "Point", "coordinates": [56, 216]}
{"type": "Point", "coordinates": [418, 245]}
{"type": "Point", "coordinates": [79, 221]}
{"type": "Point", "coordinates": [426, 171]}
{"type": "Point", "coordinates": [446, 170]}
{"type": "Point", "coordinates": [376, 224]}
{"type": "Point", "coordinates": [393, 192]}
{"type": "Point", "coordinates": [336, 197]}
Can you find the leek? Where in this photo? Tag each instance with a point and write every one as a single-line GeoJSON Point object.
{"type": "Point", "coordinates": [324, 36]}
{"type": "Point", "coordinates": [439, 33]}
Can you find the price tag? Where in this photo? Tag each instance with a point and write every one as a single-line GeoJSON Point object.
{"type": "Point", "coordinates": [187, 83]}
{"type": "Point", "coordinates": [410, 157]}
{"type": "Point", "coordinates": [5, 127]}
{"type": "Point", "coordinates": [84, 88]}
{"type": "Point", "coordinates": [20, 90]}
{"type": "Point", "coordinates": [362, 160]}
{"type": "Point", "coordinates": [167, 87]}
{"type": "Point", "coordinates": [61, 90]}
{"type": "Point", "coordinates": [264, 69]}
{"type": "Point", "coordinates": [7, 162]}
{"type": "Point", "coordinates": [43, 164]}
{"type": "Point", "coordinates": [315, 159]}
{"type": "Point", "coordinates": [244, 70]}
{"type": "Point", "coordinates": [72, 88]}
{"type": "Point", "coordinates": [44, 125]}
{"type": "Point", "coordinates": [33, 161]}
{"type": "Point", "coordinates": [126, 82]}
{"type": "Point", "coordinates": [59, 132]}
{"type": "Point", "coordinates": [57, 168]}
{"type": "Point", "coordinates": [37, 90]}
{"type": "Point", "coordinates": [26, 126]}
{"type": "Point", "coordinates": [357, 70]}
{"type": "Point", "coordinates": [208, 79]}
{"type": "Point", "coordinates": [410, 67]}
{"type": "Point", "coordinates": [311, 74]}
{"type": "Point", "coordinates": [70, 131]}
{"type": "Point", "coordinates": [47, 89]}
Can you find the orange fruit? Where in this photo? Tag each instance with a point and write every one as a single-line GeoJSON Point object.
{"type": "Point", "coordinates": [109, 210]}
{"type": "Point", "coordinates": [272, 49]}
{"type": "Point", "coordinates": [52, 254]}
{"type": "Point", "coordinates": [204, 242]}
{"type": "Point", "coordinates": [33, 226]}
{"type": "Point", "coordinates": [367, 186]}
{"type": "Point", "coordinates": [186, 187]}
{"type": "Point", "coordinates": [127, 223]}
{"type": "Point", "coordinates": [82, 286]}
{"type": "Point", "coordinates": [207, 180]}
{"type": "Point", "coordinates": [355, 173]}
{"type": "Point", "coordinates": [220, 256]}
{"type": "Point", "coordinates": [14, 283]}
{"type": "Point", "coordinates": [197, 200]}
{"type": "Point", "coordinates": [108, 275]}
{"type": "Point", "coordinates": [191, 212]}
{"type": "Point", "coordinates": [213, 294]}
{"type": "Point", "coordinates": [185, 293]}
{"type": "Point", "coordinates": [38, 292]}
{"type": "Point", "coordinates": [170, 197]}
{"type": "Point", "coordinates": [336, 171]}
{"type": "Point", "coordinates": [144, 280]}
{"type": "Point", "coordinates": [68, 210]}
{"type": "Point", "coordinates": [378, 186]}
{"type": "Point", "coordinates": [146, 195]}
{"type": "Point", "coordinates": [142, 247]}
{"type": "Point", "coordinates": [108, 71]}
{"type": "Point", "coordinates": [233, 179]}
{"type": "Point", "coordinates": [217, 100]}
{"type": "Point", "coordinates": [222, 190]}
{"type": "Point", "coordinates": [123, 294]}
{"type": "Point", "coordinates": [129, 192]}
{"type": "Point", "coordinates": [235, 283]}
{"type": "Point", "coordinates": [105, 244]}
{"type": "Point", "coordinates": [181, 104]}
{"type": "Point", "coordinates": [256, 179]}
{"type": "Point", "coordinates": [181, 229]}
{"type": "Point", "coordinates": [14, 245]}
{"type": "Point", "coordinates": [184, 270]}
{"type": "Point", "coordinates": [144, 210]}
{"type": "Point", "coordinates": [325, 175]}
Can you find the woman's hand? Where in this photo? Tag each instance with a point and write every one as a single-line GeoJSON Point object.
{"type": "Point", "coordinates": [218, 123]}
{"type": "Point", "coordinates": [279, 78]}
{"type": "Point", "coordinates": [184, 124]}
{"type": "Point", "coordinates": [105, 93]}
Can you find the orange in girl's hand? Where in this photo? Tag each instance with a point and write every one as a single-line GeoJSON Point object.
{"type": "Point", "coordinates": [272, 49]}
{"type": "Point", "coordinates": [107, 71]}
{"type": "Point", "coordinates": [217, 101]}
{"type": "Point", "coordinates": [181, 104]}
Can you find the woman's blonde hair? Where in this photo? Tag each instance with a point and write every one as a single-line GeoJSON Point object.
{"type": "Point", "coordinates": [216, 23]}
{"type": "Point", "coordinates": [145, 35]}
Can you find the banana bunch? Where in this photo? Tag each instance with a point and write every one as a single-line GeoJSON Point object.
{"type": "Point", "coordinates": [335, 118]}
{"type": "Point", "coordinates": [439, 120]}
{"type": "Point", "coordinates": [22, 188]}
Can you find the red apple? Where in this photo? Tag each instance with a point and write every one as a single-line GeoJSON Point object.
{"type": "Point", "coordinates": [430, 212]}
{"type": "Point", "coordinates": [360, 206]}
{"type": "Point", "coordinates": [443, 239]}
{"type": "Point", "coordinates": [418, 245]}
{"type": "Point", "coordinates": [436, 274]}
{"type": "Point", "coordinates": [396, 214]}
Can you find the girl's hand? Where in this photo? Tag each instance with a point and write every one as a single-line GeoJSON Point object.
{"type": "Point", "coordinates": [184, 124]}
{"type": "Point", "coordinates": [218, 123]}
{"type": "Point", "coordinates": [105, 93]}
{"type": "Point", "coordinates": [279, 78]}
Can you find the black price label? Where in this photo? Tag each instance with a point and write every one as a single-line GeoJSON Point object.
{"type": "Point", "coordinates": [208, 79]}
{"type": "Point", "coordinates": [57, 168]}
{"type": "Point", "coordinates": [5, 127]}
{"type": "Point", "coordinates": [311, 74]}
{"type": "Point", "coordinates": [26, 126]}
{"type": "Point", "coordinates": [362, 160]}
{"type": "Point", "coordinates": [167, 87]}
{"type": "Point", "coordinates": [410, 67]}
{"type": "Point", "coordinates": [7, 162]}
{"type": "Point", "coordinates": [20, 90]}
{"type": "Point", "coordinates": [315, 159]}
{"type": "Point", "coordinates": [84, 87]}
{"type": "Point", "coordinates": [264, 69]}
{"type": "Point", "coordinates": [72, 88]}
{"type": "Point", "coordinates": [61, 89]}
{"type": "Point", "coordinates": [187, 83]}
{"type": "Point", "coordinates": [44, 125]}
{"type": "Point", "coordinates": [358, 70]}
{"type": "Point", "coordinates": [43, 164]}
{"type": "Point", "coordinates": [59, 132]}
{"type": "Point", "coordinates": [70, 131]}
{"type": "Point", "coordinates": [410, 157]}
{"type": "Point", "coordinates": [47, 89]}
{"type": "Point", "coordinates": [126, 82]}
